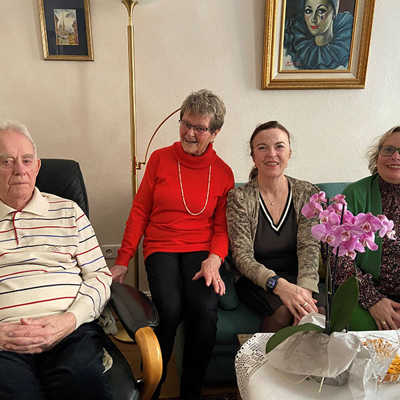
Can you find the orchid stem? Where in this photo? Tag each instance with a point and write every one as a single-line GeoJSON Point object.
{"type": "Point", "coordinates": [336, 259]}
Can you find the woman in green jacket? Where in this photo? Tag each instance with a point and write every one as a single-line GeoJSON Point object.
{"type": "Point", "coordinates": [378, 272]}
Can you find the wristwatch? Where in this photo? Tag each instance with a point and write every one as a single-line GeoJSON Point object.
{"type": "Point", "coordinates": [271, 283]}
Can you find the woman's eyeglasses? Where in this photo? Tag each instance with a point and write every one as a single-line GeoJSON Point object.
{"type": "Point", "coordinates": [388, 151]}
{"type": "Point", "coordinates": [197, 128]}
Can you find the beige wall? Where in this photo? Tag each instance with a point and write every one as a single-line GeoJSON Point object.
{"type": "Point", "coordinates": [80, 110]}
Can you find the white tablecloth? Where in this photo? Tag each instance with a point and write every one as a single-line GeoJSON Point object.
{"type": "Point", "coordinates": [257, 380]}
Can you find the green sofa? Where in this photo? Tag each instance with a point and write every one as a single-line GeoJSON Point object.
{"type": "Point", "coordinates": [234, 317]}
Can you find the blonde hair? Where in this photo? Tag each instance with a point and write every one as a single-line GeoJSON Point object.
{"type": "Point", "coordinates": [373, 152]}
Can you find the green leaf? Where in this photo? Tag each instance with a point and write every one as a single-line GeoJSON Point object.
{"type": "Point", "coordinates": [284, 333]}
{"type": "Point", "coordinates": [343, 304]}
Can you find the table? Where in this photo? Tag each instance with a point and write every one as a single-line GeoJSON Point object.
{"type": "Point", "coordinates": [257, 380]}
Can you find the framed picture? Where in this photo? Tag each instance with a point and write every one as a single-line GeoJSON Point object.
{"type": "Point", "coordinates": [316, 44]}
{"type": "Point", "coordinates": [66, 33]}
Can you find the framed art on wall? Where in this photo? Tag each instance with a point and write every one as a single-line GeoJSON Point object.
{"type": "Point", "coordinates": [316, 44]}
{"type": "Point", "coordinates": [66, 32]}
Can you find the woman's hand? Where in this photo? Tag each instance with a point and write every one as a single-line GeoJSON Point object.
{"type": "Point", "coordinates": [298, 300]}
{"type": "Point", "coordinates": [386, 314]}
{"type": "Point", "coordinates": [119, 273]}
{"type": "Point", "coordinates": [210, 272]}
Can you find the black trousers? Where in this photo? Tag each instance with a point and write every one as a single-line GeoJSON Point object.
{"type": "Point", "coordinates": [179, 298]}
{"type": "Point", "coordinates": [72, 369]}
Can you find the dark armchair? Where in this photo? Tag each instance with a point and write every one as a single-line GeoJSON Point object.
{"type": "Point", "coordinates": [135, 311]}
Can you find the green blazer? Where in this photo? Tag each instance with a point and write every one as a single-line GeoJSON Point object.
{"type": "Point", "coordinates": [365, 196]}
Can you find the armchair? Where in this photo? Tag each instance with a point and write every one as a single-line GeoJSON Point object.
{"type": "Point", "coordinates": [135, 311]}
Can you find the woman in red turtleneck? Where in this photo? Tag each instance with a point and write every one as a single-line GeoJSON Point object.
{"type": "Point", "coordinates": [180, 210]}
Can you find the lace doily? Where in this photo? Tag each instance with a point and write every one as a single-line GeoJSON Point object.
{"type": "Point", "coordinates": [249, 359]}
{"type": "Point", "coordinates": [252, 357]}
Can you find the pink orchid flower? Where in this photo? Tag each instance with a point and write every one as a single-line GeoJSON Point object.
{"type": "Point", "coordinates": [340, 229]}
{"type": "Point", "coordinates": [314, 207]}
{"type": "Point", "coordinates": [368, 222]}
{"type": "Point", "coordinates": [387, 227]}
{"type": "Point", "coordinates": [368, 239]}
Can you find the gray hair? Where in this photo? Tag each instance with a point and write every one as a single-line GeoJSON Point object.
{"type": "Point", "coordinates": [204, 102]}
{"type": "Point", "coordinates": [16, 126]}
{"type": "Point", "coordinates": [373, 152]}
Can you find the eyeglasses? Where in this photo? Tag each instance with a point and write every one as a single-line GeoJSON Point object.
{"type": "Point", "coordinates": [388, 151]}
{"type": "Point", "coordinates": [197, 128]}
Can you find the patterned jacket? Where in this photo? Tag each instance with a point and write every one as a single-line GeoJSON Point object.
{"type": "Point", "coordinates": [242, 218]}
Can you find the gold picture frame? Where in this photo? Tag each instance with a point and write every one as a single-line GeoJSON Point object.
{"type": "Point", "coordinates": [294, 60]}
{"type": "Point", "coordinates": [66, 30]}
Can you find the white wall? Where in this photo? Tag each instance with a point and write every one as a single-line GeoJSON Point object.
{"type": "Point", "coordinates": [80, 110]}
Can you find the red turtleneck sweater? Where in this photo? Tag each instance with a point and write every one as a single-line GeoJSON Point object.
{"type": "Point", "coordinates": [158, 211]}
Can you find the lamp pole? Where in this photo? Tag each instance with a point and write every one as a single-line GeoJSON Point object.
{"type": "Point", "coordinates": [130, 5]}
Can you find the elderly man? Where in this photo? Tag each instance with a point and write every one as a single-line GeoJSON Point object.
{"type": "Point", "coordinates": [54, 283]}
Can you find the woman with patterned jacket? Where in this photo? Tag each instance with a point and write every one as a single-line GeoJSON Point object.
{"type": "Point", "coordinates": [271, 241]}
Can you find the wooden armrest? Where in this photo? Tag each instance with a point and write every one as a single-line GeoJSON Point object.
{"type": "Point", "coordinates": [138, 316]}
{"type": "Point", "coordinates": [151, 358]}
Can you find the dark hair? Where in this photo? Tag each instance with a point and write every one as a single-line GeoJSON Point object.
{"type": "Point", "coordinates": [335, 5]}
{"type": "Point", "coordinates": [204, 102]}
{"type": "Point", "coordinates": [263, 127]}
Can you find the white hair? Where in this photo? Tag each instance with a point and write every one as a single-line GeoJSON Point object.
{"type": "Point", "coordinates": [18, 127]}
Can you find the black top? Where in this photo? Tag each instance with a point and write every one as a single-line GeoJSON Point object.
{"type": "Point", "coordinates": [275, 245]}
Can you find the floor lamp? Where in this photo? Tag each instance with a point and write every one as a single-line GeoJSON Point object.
{"type": "Point", "coordinates": [135, 166]}
{"type": "Point", "coordinates": [130, 5]}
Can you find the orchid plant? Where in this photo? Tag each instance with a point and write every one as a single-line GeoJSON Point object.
{"type": "Point", "coordinates": [346, 235]}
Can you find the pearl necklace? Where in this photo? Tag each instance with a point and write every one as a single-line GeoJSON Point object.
{"type": "Point", "coordinates": [183, 196]}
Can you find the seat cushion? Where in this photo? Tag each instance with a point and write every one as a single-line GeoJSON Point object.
{"type": "Point", "coordinates": [231, 323]}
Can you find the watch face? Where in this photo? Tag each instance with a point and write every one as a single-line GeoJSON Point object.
{"type": "Point", "coordinates": [271, 282]}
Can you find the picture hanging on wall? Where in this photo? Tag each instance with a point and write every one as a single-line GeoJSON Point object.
{"type": "Point", "coordinates": [65, 27]}
{"type": "Point", "coordinates": [316, 44]}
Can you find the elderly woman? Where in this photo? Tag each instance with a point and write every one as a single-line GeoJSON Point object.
{"type": "Point", "coordinates": [378, 271]}
{"type": "Point", "coordinates": [318, 37]}
{"type": "Point", "coordinates": [180, 209]}
{"type": "Point", "coordinates": [270, 239]}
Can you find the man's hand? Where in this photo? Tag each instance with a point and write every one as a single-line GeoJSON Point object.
{"type": "Point", "coordinates": [35, 335]}
{"type": "Point", "coordinates": [210, 272]}
{"type": "Point", "coordinates": [18, 344]}
{"type": "Point", "coordinates": [386, 314]}
{"type": "Point", "coordinates": [119, 273]}
{"type": "Point", "coordinates": [298, 300]}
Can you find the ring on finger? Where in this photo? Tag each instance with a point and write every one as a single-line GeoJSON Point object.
{"type": "Point", "coordinates": [305, 304]}
{"type": "Point", "coordinates": [383, 323]}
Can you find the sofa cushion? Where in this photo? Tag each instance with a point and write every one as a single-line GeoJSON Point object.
{"type": "Point", "coordinates": [230, 324]}
{"type": "Point", "coordinates": [331, 189]}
